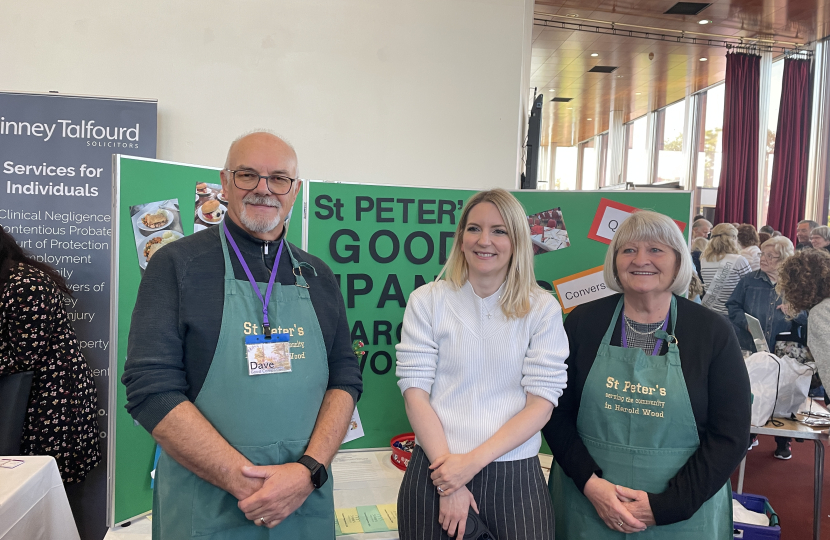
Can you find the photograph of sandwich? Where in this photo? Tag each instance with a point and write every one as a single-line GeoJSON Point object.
{"type": "Point", "coordinates": [211, 206]}
{"type": "Point", "coordinates": [547, 231]}
{"type": "Point", "coordinates": [155, 225]}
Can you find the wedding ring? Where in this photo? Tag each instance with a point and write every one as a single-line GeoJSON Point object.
{"type": "Point", "coordinates": [440, 489]}
{"type": "Point", "coordinates": [262, 520]}
{"type": "Point", "coordinates": [619, 524]}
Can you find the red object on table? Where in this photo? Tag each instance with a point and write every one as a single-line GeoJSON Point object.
{"type": "Point", "coordinates": [400, 458]}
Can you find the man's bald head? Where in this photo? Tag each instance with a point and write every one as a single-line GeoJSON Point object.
{"type": "Point", "coordinates": [262, 137]}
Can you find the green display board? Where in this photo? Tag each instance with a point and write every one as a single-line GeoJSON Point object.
{"type": "Point", "coordinates": [384, 241]}
{"type": "Point", "coordinates": [380, 241]}
{"type": "Point", "coordinates": [143, 182]}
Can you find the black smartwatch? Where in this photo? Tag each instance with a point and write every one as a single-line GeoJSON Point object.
{"type": "Point", "coordinates": [319, 475]}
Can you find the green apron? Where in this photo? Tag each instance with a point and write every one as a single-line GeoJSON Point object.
{"type": "Point", "coordinates": [267, 418]}
{"type": "Point", "coordinates": [639, 442]}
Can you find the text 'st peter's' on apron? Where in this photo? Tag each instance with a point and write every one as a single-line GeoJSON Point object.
{"type": "Point", "coordinates": [636, 420]}
{"type": "Point", "coordinates": [267, 418]}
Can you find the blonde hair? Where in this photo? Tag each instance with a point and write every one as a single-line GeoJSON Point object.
{"type": "Point", "coordinates": [782, 245]}
{"type": "Point", "coordinates": [724, 241]}
{"type": "Point", "coordinates": [648, 226]}
{"type": "Point", "coordinates": [521, 279]}
{"type": "Point", "coordinates": [695, 286]}
{"type": "Point", "coordinates": [699, 244]}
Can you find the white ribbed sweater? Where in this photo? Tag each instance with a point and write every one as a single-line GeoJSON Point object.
{"type": "Point", "coordinates": [478, 369]}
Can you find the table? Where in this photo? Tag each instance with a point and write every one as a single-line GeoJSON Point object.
{"type": "Point", "coordinates": [33, 503]}
{"type": "Point", "coordinates": [791, 428]}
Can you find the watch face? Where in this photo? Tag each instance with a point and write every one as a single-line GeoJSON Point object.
{"type": "Point", "coordinates": [319, 477]}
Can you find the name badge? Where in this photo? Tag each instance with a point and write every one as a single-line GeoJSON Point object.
{"type": "Point", "coordinates": [268, 355]}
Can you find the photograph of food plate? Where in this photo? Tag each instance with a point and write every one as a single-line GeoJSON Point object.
{"type": "Point", "coordinates": [211, 206]}
{"type": "Point", "coordinates": [153, 243]}
{"type": "Point", "coordinates": [547, 231]}
{"type": "Point", "coordinates": [155, 224]}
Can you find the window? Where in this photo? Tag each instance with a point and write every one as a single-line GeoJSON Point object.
{"type": "Point", "coordinates": [589, 164]}
{"type": "Point", "coordinates": [710, 150]}
{"type": "Point", "coordinates": [564, 174]}
{"type": "Point", "coordinates": [636, 151]}
{"type": "Point", "coordinates": [772, 126]}
{"type": "Point", "coordinates": [670, 142]}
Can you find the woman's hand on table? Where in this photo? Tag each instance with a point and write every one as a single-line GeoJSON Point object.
{"type": "Point", "coordinates": [452, 511]}
{"type": "Point", "coordinates": [611, 510]}
{"type": "Point", "coordinates": [451, 472]}
{"type": "Point", "coordinates": [636, 502]}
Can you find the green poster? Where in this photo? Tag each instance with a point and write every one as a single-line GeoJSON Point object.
{"type": "Point", "coordinates": [382, 242]}
{"type": "Point", "coordinates": [156, 202]}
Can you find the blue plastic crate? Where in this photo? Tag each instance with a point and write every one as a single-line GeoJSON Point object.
{"type": "Point", "coordinates": [756, 503]}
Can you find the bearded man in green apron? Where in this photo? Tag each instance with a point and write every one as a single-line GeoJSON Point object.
{"type": "Point", "coordinates": [656, 414]}
{"type": "Point", "coordinates": [240, 365]}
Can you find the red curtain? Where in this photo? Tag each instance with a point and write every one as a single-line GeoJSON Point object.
{"type": "Point", "coordinates": [788, 191]}
{"type": "Point", "coordinates": [738, 189]}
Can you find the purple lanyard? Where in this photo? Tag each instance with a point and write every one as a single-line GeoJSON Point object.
{"type": "Point", "coordinates": [656, 345]}
{"type": "Point", "coordinates": [266, 328]}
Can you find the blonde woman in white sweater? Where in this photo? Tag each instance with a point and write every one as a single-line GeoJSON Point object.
{"type": "Point", "coordinates": [481, 365]}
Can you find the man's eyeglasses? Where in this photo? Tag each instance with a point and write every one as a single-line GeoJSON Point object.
{"type": "Point", "coordinates": [247, 180]}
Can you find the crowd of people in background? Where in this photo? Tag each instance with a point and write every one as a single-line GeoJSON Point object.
{"type": "Point", "coordinates": [762, 273]}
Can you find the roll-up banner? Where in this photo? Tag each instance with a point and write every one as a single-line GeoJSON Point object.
{"type": "Point", "coordinates": [56, 161]}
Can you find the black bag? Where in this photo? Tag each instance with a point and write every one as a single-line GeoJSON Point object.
{"type": "Point", "coordinates": [476, 529]}
{"type": "Point", "coordinates": [14, 399]}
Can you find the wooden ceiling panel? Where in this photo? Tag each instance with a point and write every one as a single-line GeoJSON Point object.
{"type": "Point", "coordinates": [561, 58]}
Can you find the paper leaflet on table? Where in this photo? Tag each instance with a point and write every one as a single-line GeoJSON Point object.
{"type": "Point", "coordinates": [355, 430]}
{"type": "Point", "coordinates": [610, 215]}
{"type": "Point", "coordinates": [366, 519]}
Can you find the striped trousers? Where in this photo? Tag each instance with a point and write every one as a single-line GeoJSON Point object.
{"type": "Point", "coordinates": [512, 500]}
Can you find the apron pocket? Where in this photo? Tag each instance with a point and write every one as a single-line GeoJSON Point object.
{"type": "Point", "coordinates": [321, 501]}
{"type": "Point", "coordinates": [214, 509]}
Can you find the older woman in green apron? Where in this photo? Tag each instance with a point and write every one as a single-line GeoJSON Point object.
{"type": "Point", "coordinates": [656, 414]}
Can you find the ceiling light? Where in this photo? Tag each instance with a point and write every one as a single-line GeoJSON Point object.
{"type": "Point", "coordinates": [704, 59]}
{"type": "Point", "coordinates": [572, 15]}
{"type": "Point", "coordinates": [594, 54]}
{"type": "Point", "coordinates": [619, 76]}
{"type": "Point", "coordinates": [637, 93]}
{"type": "Point", "coordinates": [569, 108]}
{"type": "Point", "coordinates": [704, 21]}
{"type": "Point", "coordinates": [590, 119]}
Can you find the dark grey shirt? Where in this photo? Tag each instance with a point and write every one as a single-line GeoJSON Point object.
{"type": "Point", "coordinates": [178, 315]}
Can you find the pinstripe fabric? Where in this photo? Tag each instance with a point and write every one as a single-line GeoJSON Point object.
{"type": "Point", "coordinates": [512, 500]}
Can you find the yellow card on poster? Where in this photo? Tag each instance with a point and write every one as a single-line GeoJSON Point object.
{"type": "Point", "coordinates": [349, 520]}
{"type": "Point", "coordinates": [389, 512]}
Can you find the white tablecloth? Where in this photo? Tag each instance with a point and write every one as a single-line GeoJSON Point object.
{"type": "Point", "coordinates": [33, 503]}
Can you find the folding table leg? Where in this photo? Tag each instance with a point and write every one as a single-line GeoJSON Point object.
{"type": "Point", "coordinates": [741, 476]}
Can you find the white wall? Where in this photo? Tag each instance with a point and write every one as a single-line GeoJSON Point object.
{"type": "Point", "coordinates": [424, 92]}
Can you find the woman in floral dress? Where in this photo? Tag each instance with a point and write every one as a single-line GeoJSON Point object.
{"type": "Point", "coordinates": [35, 335]}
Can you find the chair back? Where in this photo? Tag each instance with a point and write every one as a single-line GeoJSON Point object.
{"type": "Point", "coordinates": [14, 399]}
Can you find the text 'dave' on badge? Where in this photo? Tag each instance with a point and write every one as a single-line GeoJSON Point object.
{"type": "Point", "coordinates": [264, 355]}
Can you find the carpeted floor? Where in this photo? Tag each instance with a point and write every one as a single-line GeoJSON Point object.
{"type": "Point", "coordinates": [788, 485]}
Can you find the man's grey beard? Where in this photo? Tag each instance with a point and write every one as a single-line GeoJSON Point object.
{"type": "Point", "coordinates": [260, 224]}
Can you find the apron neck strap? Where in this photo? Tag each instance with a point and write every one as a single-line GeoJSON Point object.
{"type": "Point", "coordinates": [606, 339]}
